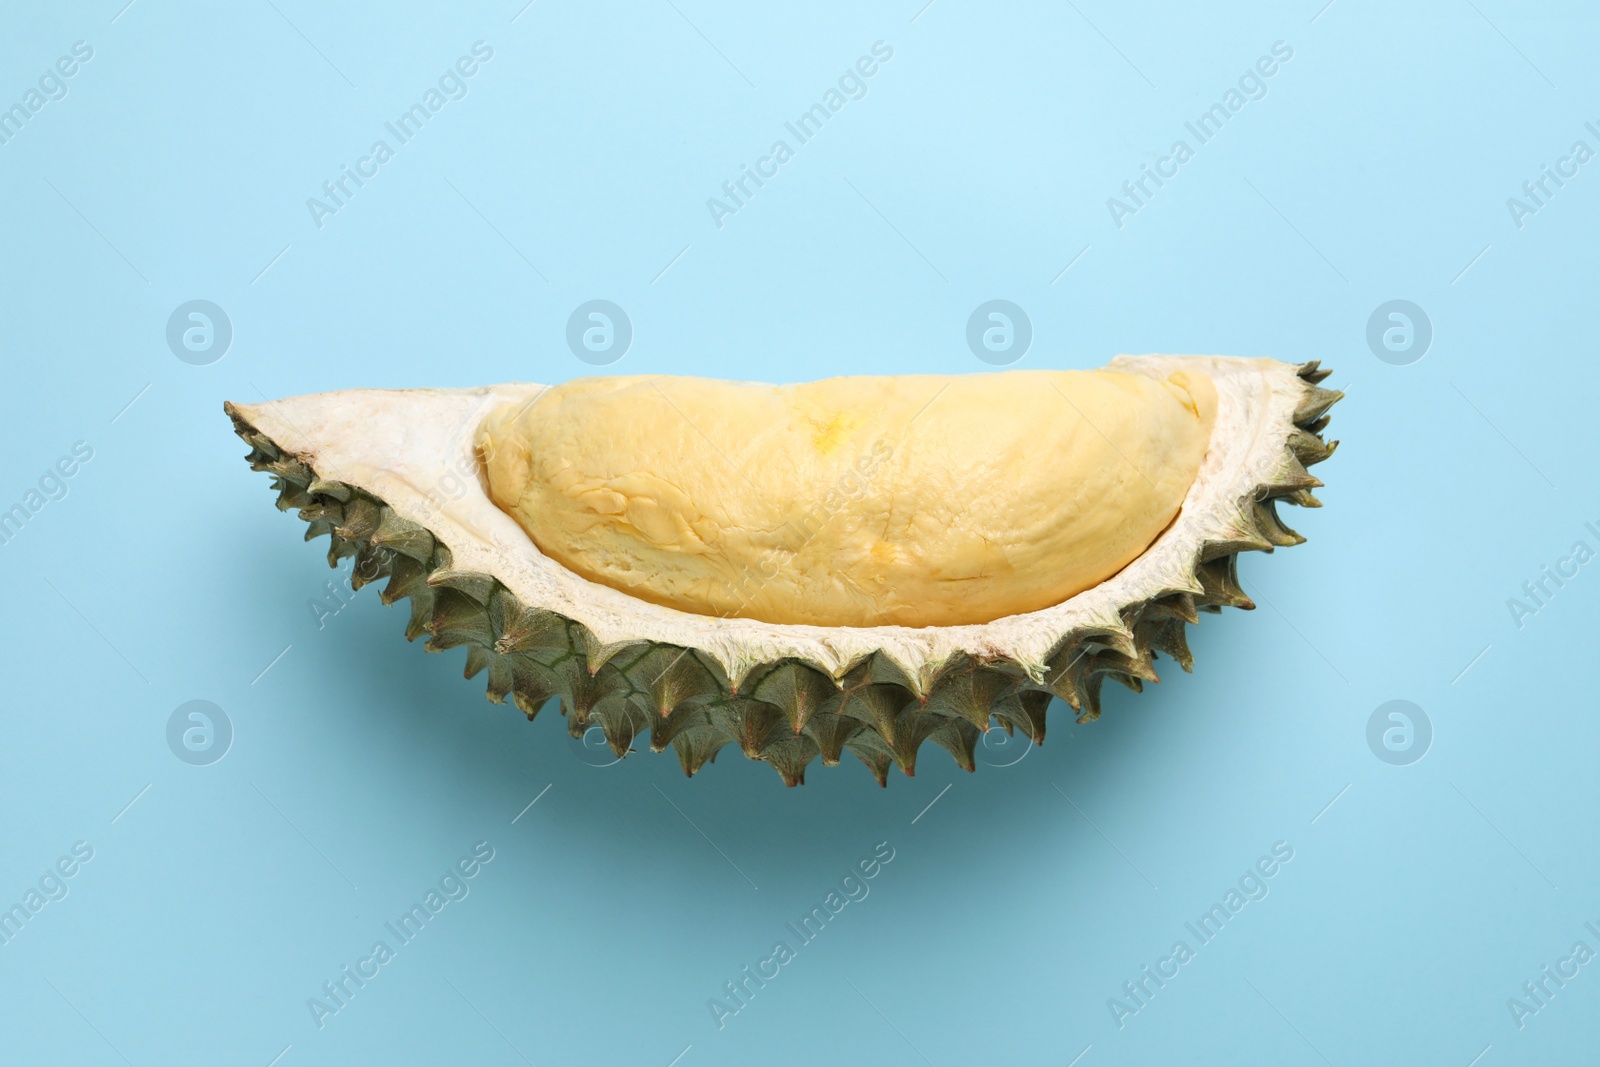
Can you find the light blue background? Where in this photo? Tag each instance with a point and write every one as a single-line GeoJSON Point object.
{"type": "Point", "coordinates": [978, 166]}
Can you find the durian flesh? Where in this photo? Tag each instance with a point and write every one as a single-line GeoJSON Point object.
{"type": "Point", "coordinates": [918, 500]}
{"type": "Point", "coordinates": [394, 479]}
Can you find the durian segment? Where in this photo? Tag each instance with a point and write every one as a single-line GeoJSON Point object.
{"type": "Point", "coordinates": [785, 694]}
{"type": "Point", "coordinates": [916, 500]}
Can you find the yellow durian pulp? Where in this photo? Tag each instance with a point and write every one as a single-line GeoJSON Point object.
{"type": "Point", "coordinates": [917, 500]}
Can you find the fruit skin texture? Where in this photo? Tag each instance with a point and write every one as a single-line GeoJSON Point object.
{"type": "Point", "coordinates": [784, 695]}
{"type": "Point", "coordinates": [916, 500]}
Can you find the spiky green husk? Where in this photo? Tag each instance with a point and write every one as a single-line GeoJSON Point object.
{"type": "Point", "coordinates": [787, 712]}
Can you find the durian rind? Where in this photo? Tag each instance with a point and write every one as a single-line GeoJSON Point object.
{"type": "Point", "coordinates": [372, 477]}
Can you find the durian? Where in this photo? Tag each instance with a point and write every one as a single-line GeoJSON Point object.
{"type": "Point", "coordinates": [854, 565]}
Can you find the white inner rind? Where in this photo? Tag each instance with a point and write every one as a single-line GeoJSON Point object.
{"type": "Point", "coordinates": [413, 450]}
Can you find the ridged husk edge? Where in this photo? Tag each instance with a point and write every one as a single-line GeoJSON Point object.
{"type": "Point", "coordinates": [789, 711]}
